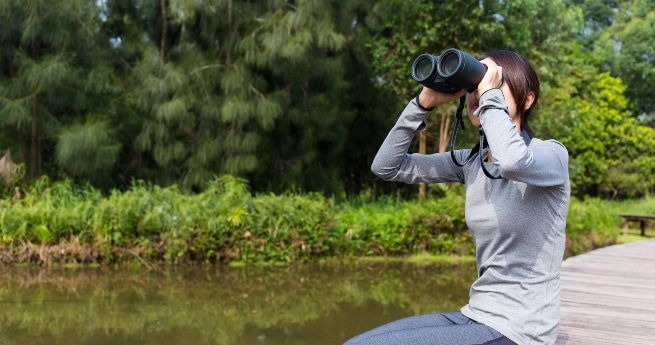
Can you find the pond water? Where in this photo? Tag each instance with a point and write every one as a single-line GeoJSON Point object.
{"type": "Point", "coordinates": [308, 304]}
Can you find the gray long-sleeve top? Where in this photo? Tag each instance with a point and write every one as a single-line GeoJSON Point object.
{"type": "Point", "coordinates": [517, 222]}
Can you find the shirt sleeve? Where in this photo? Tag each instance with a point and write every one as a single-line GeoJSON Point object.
{"type": "Point", "coordinates": [393, 163]}
{"type": "Point", "coordinates": [542, 163]}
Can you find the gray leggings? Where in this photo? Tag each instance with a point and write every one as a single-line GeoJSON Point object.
{"type": "Point", "coordinates": [451, 328]}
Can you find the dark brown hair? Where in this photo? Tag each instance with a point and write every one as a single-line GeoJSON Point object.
{"type": "Point", "coordinates": [521, 78]}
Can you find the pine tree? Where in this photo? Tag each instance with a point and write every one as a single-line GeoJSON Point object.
{"type": "Point", "coordinates": [212, 78]}
{"type": "Point", "coordinates": [51, 75]}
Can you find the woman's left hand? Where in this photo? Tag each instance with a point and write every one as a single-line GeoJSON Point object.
{"type": "Point", "coordinates": [493, 78]}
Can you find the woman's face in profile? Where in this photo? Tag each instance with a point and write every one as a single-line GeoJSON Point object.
{"type": "Point", "coordinates": [473, 101]}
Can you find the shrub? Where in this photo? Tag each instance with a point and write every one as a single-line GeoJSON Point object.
{"type": "Point", "coordinates": [225, 222]}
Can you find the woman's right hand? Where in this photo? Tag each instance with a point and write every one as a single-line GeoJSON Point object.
{"type": "Point", "coordinates": [493, 78]}
{"type": "Point", "coordinates": [429, 98]}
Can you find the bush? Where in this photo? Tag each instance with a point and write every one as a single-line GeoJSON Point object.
{"type": "Point", "coordinates": [225, 222]}
{"type": "Point", "coordinates": [594, 222]}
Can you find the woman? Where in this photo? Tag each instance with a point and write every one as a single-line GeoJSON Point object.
{"type": "Point", "coordinates": [517, 221]}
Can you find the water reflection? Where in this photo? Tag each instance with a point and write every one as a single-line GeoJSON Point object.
{"type": "Point", "coordinates": [310, 304]}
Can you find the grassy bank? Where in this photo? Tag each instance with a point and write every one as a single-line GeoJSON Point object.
{"type": "Point", "coordinates": [63, 223]}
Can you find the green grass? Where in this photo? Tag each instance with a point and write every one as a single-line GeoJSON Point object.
{"type": "Point", "coordinates": [621, 238]}
{"type": "Point", "coordinates": [418, 258]}
{"type": "Point", "coordinates": [594, 222]}
{"type": "Point", "coordinates": [63, 223]}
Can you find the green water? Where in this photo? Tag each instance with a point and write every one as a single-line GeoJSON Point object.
{"type": "Point", "coordinates": [311, 304]}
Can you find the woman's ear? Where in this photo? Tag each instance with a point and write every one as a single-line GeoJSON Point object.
{"type": "Point", "coordinates": [529, 99]}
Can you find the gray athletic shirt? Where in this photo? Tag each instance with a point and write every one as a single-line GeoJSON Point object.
{"type": "Point", "coordinates": [517, 222]}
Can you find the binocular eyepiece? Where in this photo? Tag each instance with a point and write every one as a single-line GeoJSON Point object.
{"type": "Point", "coordinates": [449, 72]}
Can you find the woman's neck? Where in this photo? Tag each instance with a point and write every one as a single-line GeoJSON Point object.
{"type": "Point", "coordinates": [490, 158]}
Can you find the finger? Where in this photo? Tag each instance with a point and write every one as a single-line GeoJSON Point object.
{"type": "Point", "coordinates": [429, 91]}
{"type": "Point", "coordinates": [457, 94]}
{"type": "Point", "coordinates": [492, 70]}
{"type": "Point", "coordinates": [488, 62]}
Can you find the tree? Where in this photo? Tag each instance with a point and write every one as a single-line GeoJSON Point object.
{"type": "Point", "coordinates": [628, 49]}
{"type": "Point", "coordinates": [52, 73]}
{"type": "Point", "coordinates": [611, 153]}
{"type": "Point", "coordinates": [213, 78]}
{"type": "Point", "coordinates": [88, 150]}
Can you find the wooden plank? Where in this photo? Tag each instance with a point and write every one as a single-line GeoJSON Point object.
{"type": "Point", "coordinates": [608, 296]}
{"type": "Point", "coordinates": [615, 272]}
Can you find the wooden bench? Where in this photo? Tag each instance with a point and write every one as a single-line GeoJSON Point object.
{"type": "Point", "coordinates": [641, 218]}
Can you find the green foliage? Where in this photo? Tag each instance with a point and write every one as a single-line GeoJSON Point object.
{"type": "Point", "coordinates": [390, 226]}
{"type": "Point", "coordinates": [628, 50]}
{"type": "Point", "coordinates": [89, 150]}
{"type": "Point", "coordinates": [51, 57]}
{"type": "Point", "coordinates": [611, 151]}
{"type": "Point", "coordinates": [48, 212]}
{"type": "Point", "coordinates": [533, 28]}
{"type": "Point", "coordinates": [298, 95]}
{"type": "Point", "coordinates": [227, 223]}
{"type": "Point", "coordinates": [217, 108]}
{"type": "Point", "coordinates": [593, 222]}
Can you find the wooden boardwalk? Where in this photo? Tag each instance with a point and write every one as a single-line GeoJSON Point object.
{"type": "Point", "coordinates": [608, 296]}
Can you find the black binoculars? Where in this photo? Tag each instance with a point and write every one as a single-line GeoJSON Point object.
{"type": "Point", "coordinates": [449, 72]}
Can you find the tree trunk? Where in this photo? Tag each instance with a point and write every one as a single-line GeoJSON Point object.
{"type": "Point", "coordinates": [163, 9]}
{"type": "Point", "coordinates": [21, 146]}
{"type": "Point", "coordinates": [228, 57]}
{"type": "Point", "coordinates": [34, 142]}
{"type": "Point", "coordinates": [444, 130]}
{"type": "Point", "coordinates": [421, 149]}
{"type": "Point", "coordinates": [39, 149]}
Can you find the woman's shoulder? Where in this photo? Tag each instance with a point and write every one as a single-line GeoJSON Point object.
{"type": "Point", "coordinates": [551, 145]}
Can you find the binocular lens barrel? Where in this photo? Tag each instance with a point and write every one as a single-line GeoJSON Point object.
{"type": "Point", "coordinates": [461, 68]}
{"type": "Point", "coordinates": [424, 68]}
{"type": "Point", "coordinates": [449, 63]}
{"type": "Point", "coordinates": [449, 72]}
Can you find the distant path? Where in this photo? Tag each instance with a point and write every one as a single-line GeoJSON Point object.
{"type": "Point", "coordinates": [608, 296]}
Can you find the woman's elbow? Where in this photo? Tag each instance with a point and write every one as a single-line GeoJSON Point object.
{"type": "Point", "coordinates": [378, 169]}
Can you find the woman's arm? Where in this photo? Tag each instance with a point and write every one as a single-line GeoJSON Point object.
{"type": "Point", "coordinates": [544, 163]}
{"type": "Point", "coordinates": [393, 163]}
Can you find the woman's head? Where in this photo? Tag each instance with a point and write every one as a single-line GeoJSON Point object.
{"type": "Point", "coordinates": [520, 88]}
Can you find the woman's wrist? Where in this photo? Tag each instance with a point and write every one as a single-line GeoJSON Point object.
{"type": "Point", "coordinates": [420, 102]}
{"type": "Point", "coordinates": [491, 98]}
{"type": "Point", "coordinates": [490, 89]}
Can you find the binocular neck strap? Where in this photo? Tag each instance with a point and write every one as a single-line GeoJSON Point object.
{"type": "Point", "coordinates": [484, 144]}
{"type": "Point", "coordinates": [453, 140]}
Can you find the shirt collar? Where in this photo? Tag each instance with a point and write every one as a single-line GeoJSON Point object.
{"type": "Point", "coordinates": [526, 137]}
